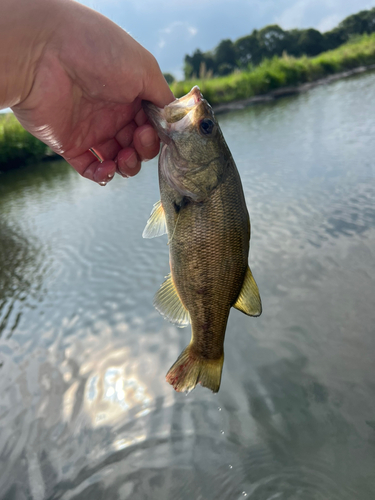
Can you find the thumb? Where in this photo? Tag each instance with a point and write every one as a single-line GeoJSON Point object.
{"type": "Point", "coordinates": [155, 87]}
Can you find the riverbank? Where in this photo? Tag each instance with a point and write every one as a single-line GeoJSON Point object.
{"type": "Point", "coordinates": [287, 91]}
{"type": "Point", "coordinates": [284, 75]}
{"type": "Point", "coordinates": [17, 146]}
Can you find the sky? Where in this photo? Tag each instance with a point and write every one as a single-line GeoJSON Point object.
{"type": "Point", "coordinates": [172, 28]}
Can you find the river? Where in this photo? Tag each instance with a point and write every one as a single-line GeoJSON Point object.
{"type": "Point", "coordinates": [85, 412]}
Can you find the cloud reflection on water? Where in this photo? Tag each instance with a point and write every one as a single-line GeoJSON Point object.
{"type": "Point", "coordinates": [114, 383]}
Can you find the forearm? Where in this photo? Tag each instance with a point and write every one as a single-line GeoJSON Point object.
{"type": "Point", "coordinates": [25, 28]}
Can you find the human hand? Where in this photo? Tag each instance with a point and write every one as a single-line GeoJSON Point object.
{"type": "Point", "coordinates": [89, 81]}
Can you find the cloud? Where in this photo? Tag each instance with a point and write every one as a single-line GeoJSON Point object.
{"type": "Point", "coordinates": [329, 22]}
{"type": "Point", "coordinates": [293, 16]}
{"type": "Point", "coordinates": [176, 31]}
{"type": "Point", "coordinates": [176, 26]}
{"type": "Point", "coordinates": [320, 14]}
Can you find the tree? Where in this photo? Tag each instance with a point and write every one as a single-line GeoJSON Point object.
{"type": "Point", "coordinates": [333, 39]}
{"type": "Point", "coordinates": [311, 42]}
{"type": "Point", "coordinates": [247, 50]}
{"type": "Point", "coordinates": [358, 24]}
{"type": "Point", "coordinates": [169, 78]}
{"type": "Point", "coordinates": [271, 41]}
{"type": "Point", "coordinates": [194, 63]}
{"type": "Point", "coordinates": [274, 41]}
{"type": "Point", "coordinates": [225, 56]}
{"type": "Point", "coordinates": [188, 69]}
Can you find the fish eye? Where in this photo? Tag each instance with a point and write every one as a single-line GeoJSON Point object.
{"type": "Point", "coordinates": [206, 126]}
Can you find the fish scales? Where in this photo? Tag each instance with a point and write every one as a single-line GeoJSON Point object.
{"type": "Point", "coordinates": [208, 227]}
{"type": "Point", "coordinates": [210, 238]}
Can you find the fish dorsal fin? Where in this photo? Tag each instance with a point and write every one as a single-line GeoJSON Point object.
{"type": "Point", "coordinates": [248, 300]}
{"type": "Point", "coordinates": [169, 304]}
{"type": "Point", "coordinates": [156, 225]}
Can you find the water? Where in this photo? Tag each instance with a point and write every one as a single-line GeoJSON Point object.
{"type": "Point", "coordinates": [85, 412]}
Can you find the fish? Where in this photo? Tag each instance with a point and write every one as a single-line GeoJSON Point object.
{"type": "Point", "coordinates": [203, 211]}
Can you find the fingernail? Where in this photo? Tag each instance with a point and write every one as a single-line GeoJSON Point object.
{"type": "Point", "coordinates": [147, 138]}
{"type": "Point", "coordinates": [132, 161]}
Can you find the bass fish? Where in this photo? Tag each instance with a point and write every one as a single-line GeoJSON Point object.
{"type": "Point", "coordinates": [203, 211]}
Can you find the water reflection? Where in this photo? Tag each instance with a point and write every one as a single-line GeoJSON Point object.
{"type": "Point", "coordinates": [298, 418]}
{"type": "Point", "coordinates": [21, 275]}
{"type": "Point", "coordinates": [112, 390]}
{"type": "Point", "coordinates": [356, 214]}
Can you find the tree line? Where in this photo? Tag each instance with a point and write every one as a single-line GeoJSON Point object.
{"type": "Point", "coordinates": [249, 51]}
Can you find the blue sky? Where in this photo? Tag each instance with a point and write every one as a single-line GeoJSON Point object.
{"type": "Point", "coordinates": [172, 28]}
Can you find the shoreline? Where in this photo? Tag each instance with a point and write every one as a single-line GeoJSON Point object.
{"type": "Point", "coordinates": [18, 147]}
{"type": "Point", "coordinates": [287, 91]}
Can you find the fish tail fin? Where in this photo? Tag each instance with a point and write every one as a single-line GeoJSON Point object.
{"type": "Point", "coordinates": [191, 369]}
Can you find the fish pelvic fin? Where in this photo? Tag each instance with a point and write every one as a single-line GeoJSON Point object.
{"type": "Point", "coordinates": [168, 303]}
{"type": "Point", "coordinates": [156, 225]}
{"type": "Point", "coordinates": [248, 300]}
{"type": "Point", "coordinates": [190, 369]}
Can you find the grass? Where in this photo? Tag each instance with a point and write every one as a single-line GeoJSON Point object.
{"type": "Point", "coordinates": [18, 147]}
{"type": "Point", "coordinates": [281, 72]}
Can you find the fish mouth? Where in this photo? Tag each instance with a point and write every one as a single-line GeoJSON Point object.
{"type": "Point", "coordinates": [188, 100]}
{"type": "Point", "coordinates": [156, 117]}
{"type": "Point", "coordinates": [176, 116]}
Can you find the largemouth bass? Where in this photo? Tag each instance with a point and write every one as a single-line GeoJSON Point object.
{"type": "Point", "coordinates": [203, 211]}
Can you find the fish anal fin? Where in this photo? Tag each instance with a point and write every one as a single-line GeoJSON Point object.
{"type": "Point", "coordinates": [168, 303]}
{"type": "Point", "coordinates": [190, 369]}
{"type": "Point", "coordinates": [248, 301]}
{"type": "Point", "coordinates": [156, 225]}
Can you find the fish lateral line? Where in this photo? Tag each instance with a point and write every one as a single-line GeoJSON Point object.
{"type": "Point", "coordinates": [174, 230]}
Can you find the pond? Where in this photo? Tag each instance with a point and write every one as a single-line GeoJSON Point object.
{"type": "Point", "coordinates": [85, 412]}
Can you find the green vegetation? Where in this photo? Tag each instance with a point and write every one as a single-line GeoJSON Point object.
{"type": "Point", "coordinates": [282, 71]}
{"type": "Point", "coordinates": [169, 78]}
{"type": "Point", "coordinates": [18, 147]}
{"type": "Point", "coordinates": [273, 41]}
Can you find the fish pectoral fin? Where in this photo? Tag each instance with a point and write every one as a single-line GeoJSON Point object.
{"type": "Point", "coordinates": [156, 225]}
{"type": "Point", "coordinates": [169, 304]}
{"type": "Point", "coordinates": [248, 300]}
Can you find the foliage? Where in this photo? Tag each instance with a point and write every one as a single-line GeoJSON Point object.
{"type": "Point", "coordinates": [274, 41]}
{"type": "Point", "coordinates": [169, 78]}
{"type": "Point", "coordinates": [193, 64]}
{"type": "Point", "coordinates": [225, 57]}
{"type": "Point", "coordinates": [17, 146]}
{"type": "Point", "coordinates": [282, 71]}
